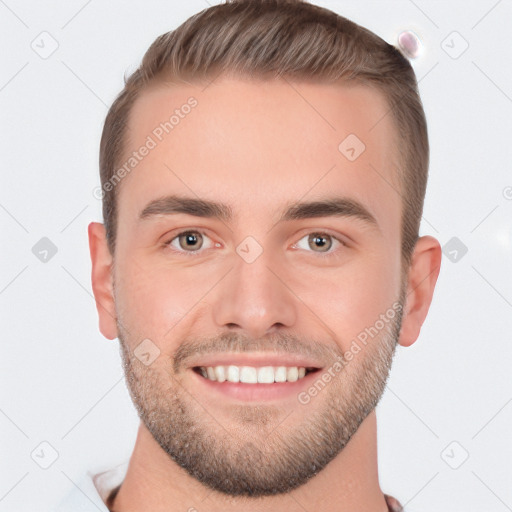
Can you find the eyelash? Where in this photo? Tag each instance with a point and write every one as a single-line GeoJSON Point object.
{"type": "Point", "coordinates": [330, 254]}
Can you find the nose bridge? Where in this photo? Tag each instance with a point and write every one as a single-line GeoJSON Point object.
{"type": "Point", "coordinates": [253, 296]}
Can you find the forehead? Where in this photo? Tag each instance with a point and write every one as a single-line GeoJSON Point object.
{"type": "Point", "coordinates": [259, 144]}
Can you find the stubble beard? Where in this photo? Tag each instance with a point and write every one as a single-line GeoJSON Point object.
{"type": "Point", "coordinates": [258, 454]}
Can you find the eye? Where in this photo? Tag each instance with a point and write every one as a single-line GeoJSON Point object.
{"type": "Point", "coordinates": [190, 241]}
{"type": "Point", "coordinates": [321, 241]}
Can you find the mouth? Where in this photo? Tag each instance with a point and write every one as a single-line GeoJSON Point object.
{"type": "Point", "coordinates": [254, 374]}
{"type": "Point", "coordinates": [254, 377]}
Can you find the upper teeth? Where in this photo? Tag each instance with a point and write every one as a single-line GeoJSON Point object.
{"type": "Point", "coordinates": [252, 375]}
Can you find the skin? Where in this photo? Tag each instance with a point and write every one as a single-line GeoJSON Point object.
{"type": "Point", "coordinates": [258, 156]}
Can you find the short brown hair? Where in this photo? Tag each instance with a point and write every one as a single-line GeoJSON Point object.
{"type": "Point", "coordinates": [281, 38]}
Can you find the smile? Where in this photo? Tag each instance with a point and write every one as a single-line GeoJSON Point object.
{"type": "Point", "coordinates": [252, 374]}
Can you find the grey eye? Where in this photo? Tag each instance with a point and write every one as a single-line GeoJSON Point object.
{"type": "Point", "coordinates": [319, 242]}
{"type": "Point", "coordinates": [189, 241]}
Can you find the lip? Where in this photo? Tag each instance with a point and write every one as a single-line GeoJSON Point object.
{"type": "Point", "coordinates": [255, 392]}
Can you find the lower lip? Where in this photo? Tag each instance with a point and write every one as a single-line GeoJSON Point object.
{"type": "Point", "coordinates": [258, 392]}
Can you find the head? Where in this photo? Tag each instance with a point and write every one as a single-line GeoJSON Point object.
{"type": "Point", "coordinates": [232, 121]}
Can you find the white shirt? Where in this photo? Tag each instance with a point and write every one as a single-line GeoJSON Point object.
{"type": "Point", "coordinates": [93, 490]}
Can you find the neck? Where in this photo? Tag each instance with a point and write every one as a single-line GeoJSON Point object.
{"type": "Point", "coordinates": [349, 482]}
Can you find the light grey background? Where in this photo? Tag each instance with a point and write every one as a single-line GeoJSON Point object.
{"type": "Point", "coordinates": [450, 394]}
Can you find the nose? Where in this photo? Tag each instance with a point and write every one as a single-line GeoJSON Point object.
{"type": "Point", "coordinates": [254, 297]}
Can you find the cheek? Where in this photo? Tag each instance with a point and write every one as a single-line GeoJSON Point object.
{"type": "Point", "coordinates": [377, 292]}
{"type": "Point", "coordinates": [352, 299]}
{"type": "Point", "coordinates": [150, 302]}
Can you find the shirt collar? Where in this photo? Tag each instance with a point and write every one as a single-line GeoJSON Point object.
{"type": "Point", "coordinates": [91, 492]}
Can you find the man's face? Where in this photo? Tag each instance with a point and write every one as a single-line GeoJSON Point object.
{"type": "Point", "coordinates": [256, 287]}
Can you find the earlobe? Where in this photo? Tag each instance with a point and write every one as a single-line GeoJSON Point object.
{"type": "Point", "coordinates": [101, 278]}
{"type": "Point", "coordinates": [422, 278]}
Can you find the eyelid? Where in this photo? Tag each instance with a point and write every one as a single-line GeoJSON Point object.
{"type": "Point", "coordinates": [324, 231]}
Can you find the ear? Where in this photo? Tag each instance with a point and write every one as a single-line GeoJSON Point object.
{"type": "Point", "coordinates": [102, 281]}
{"type": "Point", "coordinates": [421, 281]}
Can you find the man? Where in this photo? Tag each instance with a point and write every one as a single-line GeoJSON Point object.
{"type": "Point", "coordinates": [263, 175]}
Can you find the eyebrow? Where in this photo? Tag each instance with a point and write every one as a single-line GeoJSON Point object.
{"type": "Point", "coordinates": [328, 207]}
